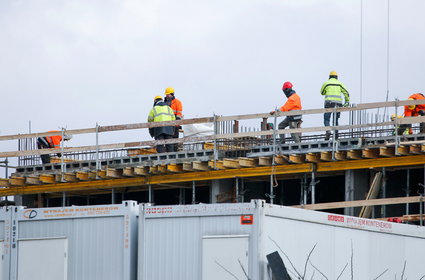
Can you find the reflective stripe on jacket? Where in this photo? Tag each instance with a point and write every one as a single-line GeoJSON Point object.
{"type": "Point", "coordinates": [414, 112]}
{"type": "Point", "coordinates": [293, 103]}
{"type": "Point", "coordinates": [161, 112]}
{"type": "Point", "coordinates": [177, 107]}
{"type": "Point", "coordinates": [55, 140]}
{"type": "Point", "coordinates": [333, 91]}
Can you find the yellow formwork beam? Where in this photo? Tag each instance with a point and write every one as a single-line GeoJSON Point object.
{"type": "Point", "coordinates": [215, 174]}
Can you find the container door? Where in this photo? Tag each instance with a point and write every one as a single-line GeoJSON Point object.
{"type": "Point", "coordinates": [42, 259]}
{"type": "Point", "coordinates": [2, 259]}
{"type": "Point", "coordinates": [225, 257]}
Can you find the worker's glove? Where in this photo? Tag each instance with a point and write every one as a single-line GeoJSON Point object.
{"type": "Point", "coordinates": [422, 112]}
{"type": "Point", "coordinates": [272, 113]}
{"type": "Point", "coordinates": [178, 118]}
{"type": "Point", "coordinates": [347, 104]}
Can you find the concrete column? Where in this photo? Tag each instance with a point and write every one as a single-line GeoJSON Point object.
{"type": "Point", "coordinates": [356, 188]}
{"type": "Point", "coordinates": [221, 190]}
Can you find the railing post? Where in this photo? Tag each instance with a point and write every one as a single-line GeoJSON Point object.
{"type": "Point", "coordinates": [215, 141]}
{"type": "Point", "coordinates": [97, 151]}
{"type": "Point", "coordinates": [396, 137]}
{"type": "Point", "coordinates": [333, 132]}
{"type": "Point", "coordinates": [63, 167]}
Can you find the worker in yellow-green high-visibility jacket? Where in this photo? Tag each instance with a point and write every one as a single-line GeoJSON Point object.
{"type": "Point", "coordinates": [334, 90]}
{"type": "Point", "coordinates": [161, 112]}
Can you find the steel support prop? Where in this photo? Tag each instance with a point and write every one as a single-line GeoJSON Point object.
{"type": "Point", "coordinates": [193, 192]}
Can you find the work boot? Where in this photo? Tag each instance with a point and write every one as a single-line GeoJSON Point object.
{"type": "Point", "coordinates": [327, 135]}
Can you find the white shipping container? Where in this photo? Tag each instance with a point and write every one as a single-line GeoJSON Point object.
{"type": "Point", "coordinates": [74, 243]}
{"type": "Point", "coordinates": [232, 241]}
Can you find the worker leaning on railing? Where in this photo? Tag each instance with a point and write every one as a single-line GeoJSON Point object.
{"type": "Point", "coordinates": [161, 112]}
{"type": "Point", "coordinates": [51, 142]}
{"type": "Point", "coordinates": [177, 107]}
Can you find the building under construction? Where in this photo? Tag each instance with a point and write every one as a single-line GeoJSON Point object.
{"type": "Point", "coordinates": [365, 169]}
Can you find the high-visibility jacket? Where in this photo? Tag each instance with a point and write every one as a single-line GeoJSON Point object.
{"type": "Point", "coordinates": [415, 112]}
{"type": "Point", "coordinates": [55, 140]}
{"type": "Point", "coordinates": [293, 103]}
{"type": "Point", "coordinates": [333, 91]}
{"type": "Point", "coordinates": [161, 112]}
{"type": "Point", "coordinates": [177, 107]}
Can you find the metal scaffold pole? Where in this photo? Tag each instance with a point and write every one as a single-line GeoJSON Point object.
{"type": "Point", "coordinates": [193, 192]}
{"type": "Point", "coordinates": [97, 151]}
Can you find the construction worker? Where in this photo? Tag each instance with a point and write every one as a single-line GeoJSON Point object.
{"type": "Point", "coordinates": [177, 107]}
{"type": "Point", "coordinates": [401, 129]}
{"type": "Point", "coordinates": [416, 110]}
{"type": "Point", "coordinates": [293, 103]}
{"type": "Point", "coordinates": [51, 142]}
{"type": "Point", "coordinates": [161, 112]}
{"type": "Point", "coordinates": [333, 90]}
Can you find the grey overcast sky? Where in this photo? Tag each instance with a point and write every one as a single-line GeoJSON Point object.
{"type": "Point", "coordinates": [72, 63]}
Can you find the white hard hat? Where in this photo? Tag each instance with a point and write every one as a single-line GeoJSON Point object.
{"type": "Point", "coordinates": [67, 137]}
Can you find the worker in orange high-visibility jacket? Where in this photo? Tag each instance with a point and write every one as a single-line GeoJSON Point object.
{"type": "Point", "coordinates": [293, 103]}
{"type": "Point", "coordinates": [416, 110]}
{"type": "Point", "coordinates": [51, 142]}
{"type": "Point", "coordinates": [177, 107]}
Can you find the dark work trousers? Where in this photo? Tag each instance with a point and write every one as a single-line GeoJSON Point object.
{"type": "Point", "coordinates": [164, 148]}
{"type": "Point", "coordinates": [43, 144]}
{"type": "Point", "coordinates": [327, 116]}
{"type": "Point", "coordinates": [176, 135]}
{"type": "Point", "coordinates": [292, 124]}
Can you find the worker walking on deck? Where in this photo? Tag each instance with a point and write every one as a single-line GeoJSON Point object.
{"type": "Point", "coordinates": [333, 90]}
{"type": "Point", "coordinates": [161, 112]}
{"type": "Point", "coordinates": [177, 107]}
{"type": "Point", "coordinates": [293, 103]}
{"type": "Point", "coordinates": [51, 142]}
{"type": "Point", "coordinates": [416, 110]}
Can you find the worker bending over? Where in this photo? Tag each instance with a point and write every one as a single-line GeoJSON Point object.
{"type": "Point", "coordinates": [161, 112]}
{"type": "Point", "coordinates": [293, 103]}
{"type": "Point", "coordinates": [51, 142]}
{"type": "Point", "coordinates": [416, 110]}
{"type": "Point", "coordinates": [177, 107]}
{"type": "Point", "coordinates": [333, 90]}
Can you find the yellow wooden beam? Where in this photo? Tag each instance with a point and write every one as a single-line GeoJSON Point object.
{"type": "Point", "coordinates": [214, 174]}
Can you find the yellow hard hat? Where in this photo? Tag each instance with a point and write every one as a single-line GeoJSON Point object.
{"type": "Point", "coordinates": [169, 90]}
{"type": "Point", "coordinates": [157, 97]}
{"type": "Point", "coordinates": [333, 73]}
{"type": "Point", "coordinates": [411, 107]}
{"type": "Point", "coordinates": [393, 117]}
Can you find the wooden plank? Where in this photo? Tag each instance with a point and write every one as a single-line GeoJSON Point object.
{"type": "Point", "coordinates": [102, 174]}
{"type": "Point", "coordinates": [153, 169]}
{"type": "Point", "coordinates": [372, 194]}
{"type": "Point", "coordinates": [281, 159]}
{"type": "Point", "coordinates": [70, 177]}
{"type": "Point", "coordinates": [82, 176]}
{"type": "Point", "coordinates": [297, 158]}
{"type": "Point", "coordinates": [354, 154]}
{"type": "Point", "coordinates": [341, 155]}
{"type": "Point", "coordinates": [47, 178]}
{"type": "Point", "coordinates": [313, 157]}
{"type": "Point", "coordinates": [370, 153]}
{"type": "Point", "coordinates": [141, 170]}
{"type": "Point", "coordinates": [360, 203]}
{"type": "Point", "coordinates": [4, 183]}
{"type": "Point", "coordinates": [218, 165]}
{"type": "Point", "coordinates": [128, 172]}
{"type": "Point", "coordinates": [113, 173]}
{"type": "Point", "coordinates": [423, 148]}
{"type": "Point", "coordinates": [248, 162]}
{"type": "Point", "coordinates": [32, 180]}
{"type": "Point", "coordinates": [162, 169]}
{"type": "Point", "coordinates": [92, 175]}
{"type": "Point", "coordinates": [386, 151]}
{"type": "Point", "coordinates": [17, 181]}
{"type": "Point", "coordinates": [141, 151]}
{"type": "Point", "coordinates": [264, 161]}
{"type": "Point", "coordinates": [231, 163]}
{"type": "Point", "coordinates": [403, 150]}
{"type": "Point", "coordinates": [326, 156]}
{"type": "Point", "coordinates": [175, 168]}
{"type": "Point", "coordinates": [415, 149]}
{"type": "Point", "coordinates": [200, 166]}
{"type": "Point", "coordinates": [187, 166]}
